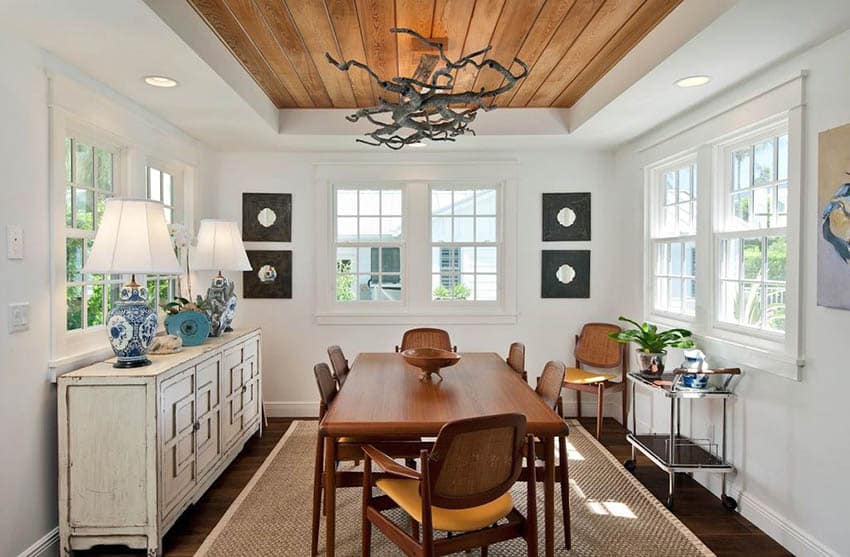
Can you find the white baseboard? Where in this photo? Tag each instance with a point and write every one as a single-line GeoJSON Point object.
{"type": "Point", "coordinates": [780, 528]}
{"type": "Point", "coordinates": [48, 544]}
{"type": "Point", "coordinates": [291, 409]}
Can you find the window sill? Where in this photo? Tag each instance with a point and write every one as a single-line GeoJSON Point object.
{"type": "Point", "coordinates": [748, 356]}
{"type": "Point", "coordinates": [415, 319]}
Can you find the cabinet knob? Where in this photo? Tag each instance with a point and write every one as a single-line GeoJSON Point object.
{"type": "Point", "coordinates": [244, 388]}
{"type": "Point", "coordinates": [197, 426]}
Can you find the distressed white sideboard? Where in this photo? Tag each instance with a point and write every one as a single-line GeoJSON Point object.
{"type": "Point", "coordinates": [138, 446]}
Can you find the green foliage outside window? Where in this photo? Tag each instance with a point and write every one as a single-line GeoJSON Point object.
{"type": "Point", "coordinates": [344, 282]}
{"type": "Point", "coordinates": [459, 292]}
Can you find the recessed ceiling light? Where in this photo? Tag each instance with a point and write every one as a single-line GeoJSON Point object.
{"type": "Point", "coordinates": [160, 81]}
{"type": "Point", "coordinates": [693, 81]}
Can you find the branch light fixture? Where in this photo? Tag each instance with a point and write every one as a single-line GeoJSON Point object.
{"type": "Point", "coordinates": [427, 103]}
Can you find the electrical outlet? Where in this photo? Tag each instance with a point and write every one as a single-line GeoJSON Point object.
{"type": "Point", "coordinates": [19, 317]}
{"type": "Point", "coordinates": [14, 241]}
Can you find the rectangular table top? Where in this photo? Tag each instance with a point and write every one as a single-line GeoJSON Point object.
{"type": "Point", "coordinates": [384, 397]}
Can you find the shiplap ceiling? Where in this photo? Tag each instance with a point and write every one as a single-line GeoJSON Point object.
{"type": "Point", "coordinates": [568, 44]}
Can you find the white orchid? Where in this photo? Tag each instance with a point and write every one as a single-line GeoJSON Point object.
{"type": "Point", "coordinates": [181, 235]}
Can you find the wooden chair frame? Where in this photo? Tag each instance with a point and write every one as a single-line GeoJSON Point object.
{"type": "Point", "coordinates": [339, 364]}
{"type": "Point", "coordinates": [600, 387]}
{"type": "Point", "coordinates": [431, 464]}
{"type": "Point", "coordinates": [405, 339]}
{"type": "Point", "coordinates": [516, 359]}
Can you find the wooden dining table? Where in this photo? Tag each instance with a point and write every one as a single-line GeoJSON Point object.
{"type": "Point", "coordinates": [383, 399]}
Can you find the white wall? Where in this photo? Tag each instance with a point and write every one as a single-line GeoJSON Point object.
{"type": "Point", "coordinates": [789, 439]}
{"type": "Point", "coordinates": [294, 342]}
{"type": "Point", "coordinates": [28, 498]}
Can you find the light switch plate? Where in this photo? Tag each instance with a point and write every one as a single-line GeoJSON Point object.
{"type": "Point", "coordinates": [19, 317]}
{"type": "Point", "coordinates": [14, 241]}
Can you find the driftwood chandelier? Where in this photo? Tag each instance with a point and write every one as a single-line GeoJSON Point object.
{"type": "Point", "coordinates": [427, 104]}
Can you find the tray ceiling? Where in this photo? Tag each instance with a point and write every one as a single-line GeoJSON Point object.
{"type": "Point", "coordinates": [569, 44]}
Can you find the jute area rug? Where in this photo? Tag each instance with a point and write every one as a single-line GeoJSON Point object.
{"type": "Point", "coordinates": [612, 513]}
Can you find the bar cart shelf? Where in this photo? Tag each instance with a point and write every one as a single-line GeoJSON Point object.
{"type": "Point", "coordinates": [675, 453]}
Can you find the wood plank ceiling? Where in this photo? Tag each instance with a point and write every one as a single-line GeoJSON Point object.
{"type": "Point", "coordinates": [568, 44]}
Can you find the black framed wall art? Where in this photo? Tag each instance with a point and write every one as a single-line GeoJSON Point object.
{"type": "Point", "coordinates": [565, 274]}
{"type": "Point", "coordinates": [566, 217]}
{"type": "Point", "coordinates": [267, 217]}
{"type": "Point", "coordinates": [271, 276]}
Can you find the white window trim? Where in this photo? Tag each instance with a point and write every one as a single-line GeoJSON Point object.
{"type": "Point", "coordinates": [776, 353]}
{"type": "Point", "coordinates": [417, 178]}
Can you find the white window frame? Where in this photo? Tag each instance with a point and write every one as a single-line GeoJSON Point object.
{"type": "Point", "coordinates": [657, 235]}
{"type": "Point", "coordinates": [177, 217]}
{"type": "Point", "coordinates": [417, 177]}
{"type": "Point", "coordinates": [452, 186]}
{"type": "Point", "coordinates": [365, 305]}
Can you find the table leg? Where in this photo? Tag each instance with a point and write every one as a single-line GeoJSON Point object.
{"type": "Point", "coordinates": [330, 495]}
{"type": "Point", "coordinates": [549, 497]}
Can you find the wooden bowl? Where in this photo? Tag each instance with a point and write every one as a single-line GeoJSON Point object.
{"type": "Point", "coordinates": [430, 360]}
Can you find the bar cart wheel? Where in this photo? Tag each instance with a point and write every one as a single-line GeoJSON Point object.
{"type": "Point", "coordinates": [630, 465]}
{"type": "Point", "coordinates": [669, 503]}
{"type": "Point", "coordinates": [728, 503]}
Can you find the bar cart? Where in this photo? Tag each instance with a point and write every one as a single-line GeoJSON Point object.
{"type": "Point", "coordinates": [676, 453]}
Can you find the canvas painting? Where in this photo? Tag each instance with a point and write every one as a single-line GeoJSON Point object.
{"type": "Point", "coordinates": [834, 224]}
{"type": "Point", "coordinates": [566, 217]}
{"type": "Point", "coordinates": [267, 217]}
{"type": "Point", "coordinates": [271, 276]}
{"type": "Point", "coordinates": [565, 274]}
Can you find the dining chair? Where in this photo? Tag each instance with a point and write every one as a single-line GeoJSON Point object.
{"type": "Point", "coordinates": [549, 386]}
{"type": "Point", "coordinates": [426, 338]}
{"type": "Point", "coordinates": [596, 349]}
{"type": "Point", "coordinates": [339, 364]}
{"type": "Point", "coordinates": [462, 487]}
{"type": "Point", "coordinates": [516, 359]}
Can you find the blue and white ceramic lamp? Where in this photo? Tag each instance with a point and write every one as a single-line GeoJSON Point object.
{"type": "Point", "coordinates": [132, 239]}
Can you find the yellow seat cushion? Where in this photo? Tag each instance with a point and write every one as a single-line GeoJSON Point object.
{"type": "Point", "coordinates": [582, 377]}
{"type": "Point", "coordinates": [406, 494]}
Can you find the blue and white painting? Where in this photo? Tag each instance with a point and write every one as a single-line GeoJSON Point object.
{"type": "Point", "coordinates": [834, 207]}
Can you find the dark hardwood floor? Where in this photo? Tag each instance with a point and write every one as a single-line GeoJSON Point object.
{"type": "Point", "coordinates": [725, 533]}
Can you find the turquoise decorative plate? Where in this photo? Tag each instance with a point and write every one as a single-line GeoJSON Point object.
{"type": "Point", "coordinates": [192, 326]}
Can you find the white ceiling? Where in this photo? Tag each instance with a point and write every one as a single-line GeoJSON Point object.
{"type": "Point", "coordinates": [119, 42]}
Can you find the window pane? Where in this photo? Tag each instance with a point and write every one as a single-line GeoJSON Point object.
{"type": "Point", "coordinates": [346, 229]}
{"type": "Point", "coordinates": [741, 163]}
{"type": "Point", "coordinates": [485, 288]}
{"type": "Point", "coordinates": [390, 288]}
{"type": "Point", "coordinates": [690, 269]}
{"type": "Point", "coordinates": [391, 260]}
{"type": "Point", "coordinates": [84, 202]}
{"type": "Point", "coordinates": [370, 228]}
{"type": "Point", "coordinates": [752, 259]}
{"type": "Point", "coordinates": [686, 217]}
{"type": "Point", "coordinates": [163, 293]}
{"type": "Point", "coordinates": [391, 202]}
{"type": "Point", "coordinates": [670, 216]}
{"type": "Point", "coordinates": [465, 290]}
{"type": "Point", "coordinates": [154, 184]}
{"type": "Point", "coordinates": [689, 296]}
{"type": "Point", "coordinates": [103, 161]}
{"type": "Point", "coordinates": [661, 287]}
{"type": "Point", "coordinates": [669, 188]}
{"type": "Point", "coordinates": [83, 165]}
{"type": "Point", "coordinates": [101, 207]}
{"type": "Point", "coordinates": [675, 259]}
{"type": "Point", "coordinates": [435, 259]}
{"type": "Point", "coordinates": [466, 261]}
{"type": "Point", "coordinates": [370, 202]}
{"type": "Point", "coordinates": [762, 206]}
{"type": "Point", "coordinates": [741, 207]}
{"type": "Point", "coordinates": [167, 189]}
{"type": "Point", "coordinates": [775, 308]}
{"type": "Point", "coordinates": [346, 260]}
{"type": "Point", "coordinates": [69, 176]}
{"type": "Point", "coordinates": [114, 294]}
{"type": "Point", "coordinates": [485, 260]}
{"type": "Point", "coordinates": [685, 183]}
{"type": "Point", "coordinates": [391, 228]}
{"type": "Point", "coordinates": [442, 286]}
{"type": "Point", "coordinates": [485, 229]}
{"type": "Point", "coordinates": [662, 258]}
{"type": "Point", "coordinates": [69, 207]}
{"type": "Point", "coordinates": [441, 229]}
{"type": "Point", "coordinates": [764, 171]}
{"type": "Point", "coordinates": [782, 155]}
{"type": "Point", "coordinates": [169, 215]}
{"type": "Point", "coordinates": [485, 202]}
{"type": "Point", "coordinates": [675, 301]}
{"type": "Point", "coordinates": [777, 254]}
{"type": "Point", "coordinates": [731, 253]}
{"type": "Point", "coordinates": [441, 202]}
{"type": "Point", "coordinates": [729, 293]}
{"type": "Point", "coordinates": [73, 259]}
{"type": "Point", "coordinates": [74, 313]}
{"type": "Point", "coordinates": [368, 287]}
{"type": "Point", "coordinates": [751, 308]}
{"type": "Point", "coordinates": [464, 202]}
{"type": "Point", "coordinates": [346, 202]}
{"type": "Point", "coordinates": [463, 229]}
{"type": "Point", "coordinates": [367, 262]}
{"type": "Point", "coordinates": [94, 305]}
{"type": "Point", "coordinates": [782, 204]}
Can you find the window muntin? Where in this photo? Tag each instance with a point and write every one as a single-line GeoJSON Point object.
{"type": "Point", "coordinates": [464, 243]}
{"type": "Point", "coordinates": [160, 186]}
{"type": "Point", "coordinates": [751, 234]}
{"type": "Point", "coordinates": [674, 239]}
{"type": "Point", "coordinates": [89, 181]}
{"type": "Point", "coordinates": [368, 243]}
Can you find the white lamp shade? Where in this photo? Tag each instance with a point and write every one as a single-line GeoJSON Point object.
{"type": "Point", "coordinates": [220, 247]}
{"type": "Point", "coordinates": [132, 238]}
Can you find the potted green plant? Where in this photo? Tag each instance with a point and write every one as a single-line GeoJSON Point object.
{"type": "Point", "coordinates": [652, 343]}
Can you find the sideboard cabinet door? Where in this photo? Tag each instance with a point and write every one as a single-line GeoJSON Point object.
{"type": "Point", "coordinates": [177, 404]}
{"type": "Point", "coordinates": [209, 415]}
